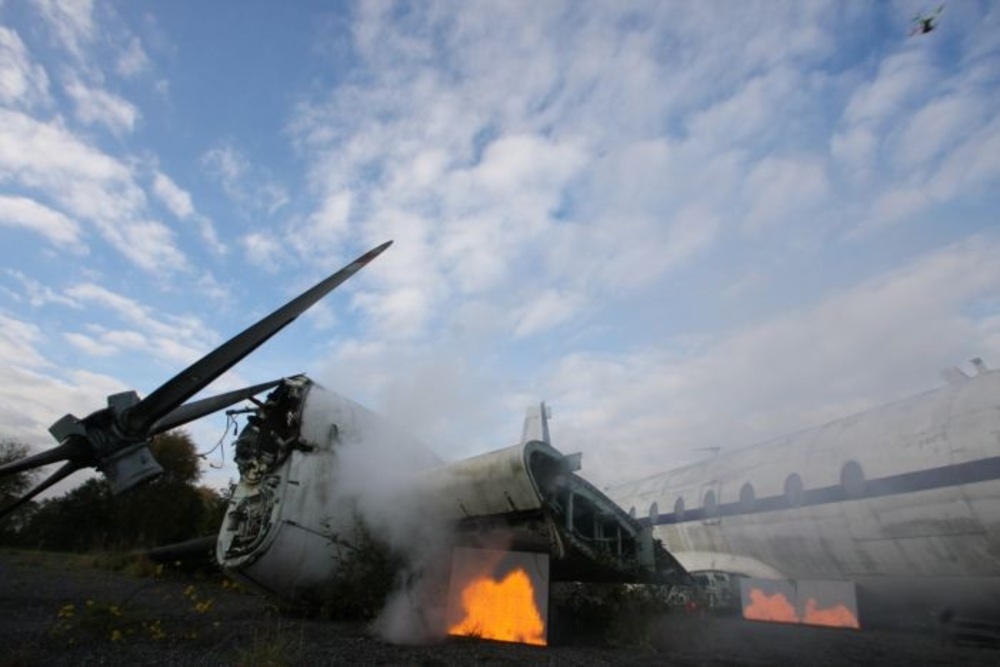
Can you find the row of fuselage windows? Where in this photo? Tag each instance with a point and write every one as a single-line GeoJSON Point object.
{"type": "Point", "coordinates": [852, 481]}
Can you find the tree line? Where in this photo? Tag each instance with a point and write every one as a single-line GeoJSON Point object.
{"type": "Point", "coordinates": [171, 508]}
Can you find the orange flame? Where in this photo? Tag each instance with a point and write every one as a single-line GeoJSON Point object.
{"type": "Point", "coordinates": [765, 607]}
{"type": "Point", "coordinates": [837, 616]}
{"type": "Point", "coordinates": [777, 608]}
{"type": "Point", "coordinates": [502, 610]}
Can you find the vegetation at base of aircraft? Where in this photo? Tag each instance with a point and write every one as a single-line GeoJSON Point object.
{"type": "Point", "coordinates": [171, 508]}
{"type": "Point", "coordinates": [367, 572]}
{"type": "Point", "coordinates": [608, 614]}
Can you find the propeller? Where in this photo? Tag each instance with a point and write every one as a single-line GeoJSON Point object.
{"type": "Point", "coordinates": [115, 439]}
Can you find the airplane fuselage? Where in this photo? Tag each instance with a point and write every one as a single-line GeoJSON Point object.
{"type": "Point", "coordinates": [902, 498]}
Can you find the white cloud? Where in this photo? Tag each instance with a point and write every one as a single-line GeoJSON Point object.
{"type": "Point", "coordinates": [133, 60]}
{"type": "Point", "coordinates": [29, 214]}
{"type": "Point", "coordinates": [18, 346]}
{"type": "Point", "coordinates": [263, 250]}
{"type": "Point", "coordinates": [178, 202]}
{"type": "Point", "coordinates": [99, 107]}
{"type": "Point", "coordinates": [782, 191]}
{"type": "Point", "coordinates": [892, 207]}
{"type": "Point", "coordinates": [941, 123]}
{"type": "Point", "coordinates": [249, 186]}
{"type": "Point", "coordinates": [72, 22]}
{"type": "Point", "coordinates": [89, 345]}
{"type": "Point", "coordinates": [972, 166]}
{"type": "Point", "coordinates": [23, 83]}
{"type": "Point", "coordinates": [325, 230]}
{"type": "Point", "coordinates": [38, 294]}
{"type": "Point", "coordinates": [172, 338]}
{"type": "Point", "coordinates": [88, 185]}
{"type": "Point", "coordinates": [900, 79]}
{"type": "Point", "coordinates": [400, 313]}
{"type": "Point", "coordinates": [545, 311]}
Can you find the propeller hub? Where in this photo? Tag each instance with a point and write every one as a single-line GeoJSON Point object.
{"type": "Point", "coordinates": [130, 467]}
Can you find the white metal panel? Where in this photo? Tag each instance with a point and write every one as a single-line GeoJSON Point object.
{"type": "Point", "coordinates": [494, 483]}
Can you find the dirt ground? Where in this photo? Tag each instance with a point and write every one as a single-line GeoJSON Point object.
{"type": "Point", "coordinates": [55, 611]}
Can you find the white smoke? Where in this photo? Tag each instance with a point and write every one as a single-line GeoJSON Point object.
{"type": "Point", "coordinates": [378, 471]}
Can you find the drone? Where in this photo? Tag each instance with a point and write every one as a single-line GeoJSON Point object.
{"type": "Point", "coordinates": [925, 23]}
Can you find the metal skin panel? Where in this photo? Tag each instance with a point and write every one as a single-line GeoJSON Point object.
{"type": "Point", "coordinates": [929, 504]}
{"type": "Point", "coordinates": [494, 483]}
{"type": "Point", "coordinates": [305, 518]}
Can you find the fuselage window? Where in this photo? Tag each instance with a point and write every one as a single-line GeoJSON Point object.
{"type": "Point", "coordinates": [710, 505]}
{"type": "Point", "coordinates": [747, 497]}
{"type": "Point", "coordinates": [654, 513]}
{"type": "Point", "coordinates": [679, 509]}
{"type": "Point", "coordinates": [852, 480]}
{"type": "Point", "coordinates": [794, 490]}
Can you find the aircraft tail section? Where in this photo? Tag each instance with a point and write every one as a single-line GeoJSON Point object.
{"type": "Point", "coordinates": [536, 424]}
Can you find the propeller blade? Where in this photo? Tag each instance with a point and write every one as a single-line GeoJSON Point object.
{"type": "Point", "coordinates": [63, 452]}
{"type": "Point", "coordinates": [196, 377]}
{"type": "Point", "coordinates": [206, 406]}
{"type": "Point", "coordinates": [68, 469]}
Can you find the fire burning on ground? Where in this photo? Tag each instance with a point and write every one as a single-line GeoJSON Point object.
{"type": "Point", "coordinates": [777, 608]}
{"type": "Point", "coordinates": [503, 610]}
{"type": "Point", "coordinates": [499, 595]}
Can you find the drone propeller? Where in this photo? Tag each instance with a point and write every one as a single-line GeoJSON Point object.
{"type": "Point", "coordinates": [115, 439]}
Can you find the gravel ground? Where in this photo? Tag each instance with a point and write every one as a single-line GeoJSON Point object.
{"type": "Point", "coordinates": [55, 611]}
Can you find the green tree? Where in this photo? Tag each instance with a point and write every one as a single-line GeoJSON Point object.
{"type": "Point", "coordinates": [171, 508]}
{"type": "Point", "coordinates": [13, 487]}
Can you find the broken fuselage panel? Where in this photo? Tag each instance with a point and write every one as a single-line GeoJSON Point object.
{"type": "Point", "coordinates": [527, 498]}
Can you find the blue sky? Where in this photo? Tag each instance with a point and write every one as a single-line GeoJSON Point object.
{"type": "Point", "coordinates": [684, 225]}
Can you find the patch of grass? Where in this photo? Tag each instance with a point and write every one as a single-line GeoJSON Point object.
{"type": "Point", "coordinates": [276, 646]}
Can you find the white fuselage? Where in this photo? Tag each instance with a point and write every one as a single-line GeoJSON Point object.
{"type": "Point", "coordinates": [906, 492]}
